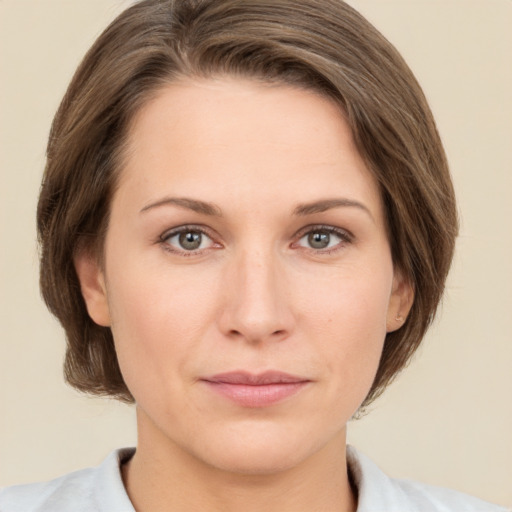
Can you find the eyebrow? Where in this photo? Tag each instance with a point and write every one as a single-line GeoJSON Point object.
{"type": "Point", "coordinates": [327, 204]}
{"type": "Point", "coordinates": [202, 207]}
{"type": "Point", "coordinates": [300, 210]}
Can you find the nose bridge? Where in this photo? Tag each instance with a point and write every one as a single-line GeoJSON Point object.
{"type": "Point", "coordinates": [256, 306]}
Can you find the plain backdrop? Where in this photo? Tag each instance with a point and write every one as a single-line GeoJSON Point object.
{"type": "Point", "coordinates": [447, 420]}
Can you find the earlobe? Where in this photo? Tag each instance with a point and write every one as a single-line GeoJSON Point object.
{"type": "Point", "coordinates": [400, 302]}
{"type": "Point", "coordinates": [92, 285]}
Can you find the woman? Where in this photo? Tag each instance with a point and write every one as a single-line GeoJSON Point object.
{"type": "Point", "coordinates": [246, 224]}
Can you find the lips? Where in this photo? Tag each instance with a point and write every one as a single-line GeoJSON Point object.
{"type": "Point", "coordinates": [256, 390]}
{"type": "Point", "coordinates": [249, 379]}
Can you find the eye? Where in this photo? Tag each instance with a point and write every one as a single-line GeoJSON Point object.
{"type": "Point", "coordinates": [324, 238]}
{"type": "Point", "coordinates": [186, 239]}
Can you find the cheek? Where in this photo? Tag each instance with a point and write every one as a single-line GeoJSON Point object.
{"type": "Point", "coordinates": [347, 319]}
{"type": "Point", "coordinates": [158, 320]}
{"type": "Point", "coordinates": [352, 302]}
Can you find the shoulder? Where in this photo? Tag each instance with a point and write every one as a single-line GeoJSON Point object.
{"type": "Point", "coordinates": [444, 500]}
{"type": "Point", "coordinates": [98, 489]}
{"type": "Point", "coordinates": [69, 491]}
{"type": "Point", "coordinates": [378, 492]}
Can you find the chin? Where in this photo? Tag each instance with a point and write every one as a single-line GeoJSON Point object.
{"type": "Point", "coordinates": [260, 449]}
{"type": "Point", "coordinates": [255, 460]}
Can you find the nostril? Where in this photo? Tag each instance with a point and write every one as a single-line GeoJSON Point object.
{"type": "Point", "coordinates": [255, 337]}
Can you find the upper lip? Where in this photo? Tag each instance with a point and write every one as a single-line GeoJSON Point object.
{"type": "Point", "coordinates": [258, 379]}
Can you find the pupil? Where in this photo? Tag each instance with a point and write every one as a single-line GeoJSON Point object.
{"type": "Point", "coordinates": [319, 240]}
{"type": "Point", "coordinates": [190, 240]}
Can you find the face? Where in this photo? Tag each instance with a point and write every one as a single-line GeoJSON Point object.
{"type": "Point", "coordinates": [248, 278]}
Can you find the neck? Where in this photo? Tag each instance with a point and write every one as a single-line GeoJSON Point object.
{"type": "Point", "coordinates": [162, 476]}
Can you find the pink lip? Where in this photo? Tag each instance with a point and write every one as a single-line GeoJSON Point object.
{"type": "Point", "coordinates": [260, 390]}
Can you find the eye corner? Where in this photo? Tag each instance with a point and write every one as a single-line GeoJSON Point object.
{"type": "Point", "coordinates": [189, 240]}
{"type": "Point", "coordinates": [324, 239]}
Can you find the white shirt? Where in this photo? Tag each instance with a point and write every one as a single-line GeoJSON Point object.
{"type": "Point", "coordinates": [101, 489]}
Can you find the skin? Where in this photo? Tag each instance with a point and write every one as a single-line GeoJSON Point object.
{"type": "Point", "coordinates": [256, 295]}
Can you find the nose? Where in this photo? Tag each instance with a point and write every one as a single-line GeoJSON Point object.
{"type": "Point", "coordinates": [257, 306]}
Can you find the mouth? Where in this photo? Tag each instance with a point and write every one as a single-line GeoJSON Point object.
{"type": "Point", "coordinates": [256, 390]}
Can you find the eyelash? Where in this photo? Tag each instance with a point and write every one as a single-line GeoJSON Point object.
{"type": "Point", "coordinates": [165, 237]}
{"type": "Point", "coordinates": [345, 238]}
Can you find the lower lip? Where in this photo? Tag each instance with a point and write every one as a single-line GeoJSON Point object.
{"type": "Point", "coordinates": [257, 395]}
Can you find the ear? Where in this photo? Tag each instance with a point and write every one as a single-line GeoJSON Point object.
{"type": "Point", "coordinates": [400, 302]}
{"type": "Point", "coordinates": [92, 285]}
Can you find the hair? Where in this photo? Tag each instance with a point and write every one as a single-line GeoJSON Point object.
{"type": "Point", "coordinates": [321, 45]}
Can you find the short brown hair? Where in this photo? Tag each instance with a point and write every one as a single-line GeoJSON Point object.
{"type": "Point", "coordinates": [322, 45]}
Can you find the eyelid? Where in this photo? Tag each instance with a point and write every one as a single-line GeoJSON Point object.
{"type": "Point", "coordinates": [342, 232]}
{"type": "Point", "coordinates": [164, 237]}
{"type": "Point", "coordinates": [180, 229]}
{"type": "Point", "coordinates": [345, 235]}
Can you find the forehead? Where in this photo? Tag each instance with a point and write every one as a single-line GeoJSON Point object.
{"type": "Point", "coordinates": [253, 138]}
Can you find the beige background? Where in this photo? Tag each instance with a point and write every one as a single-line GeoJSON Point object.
{"type": "Point", "coordinates": [448, 419]}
